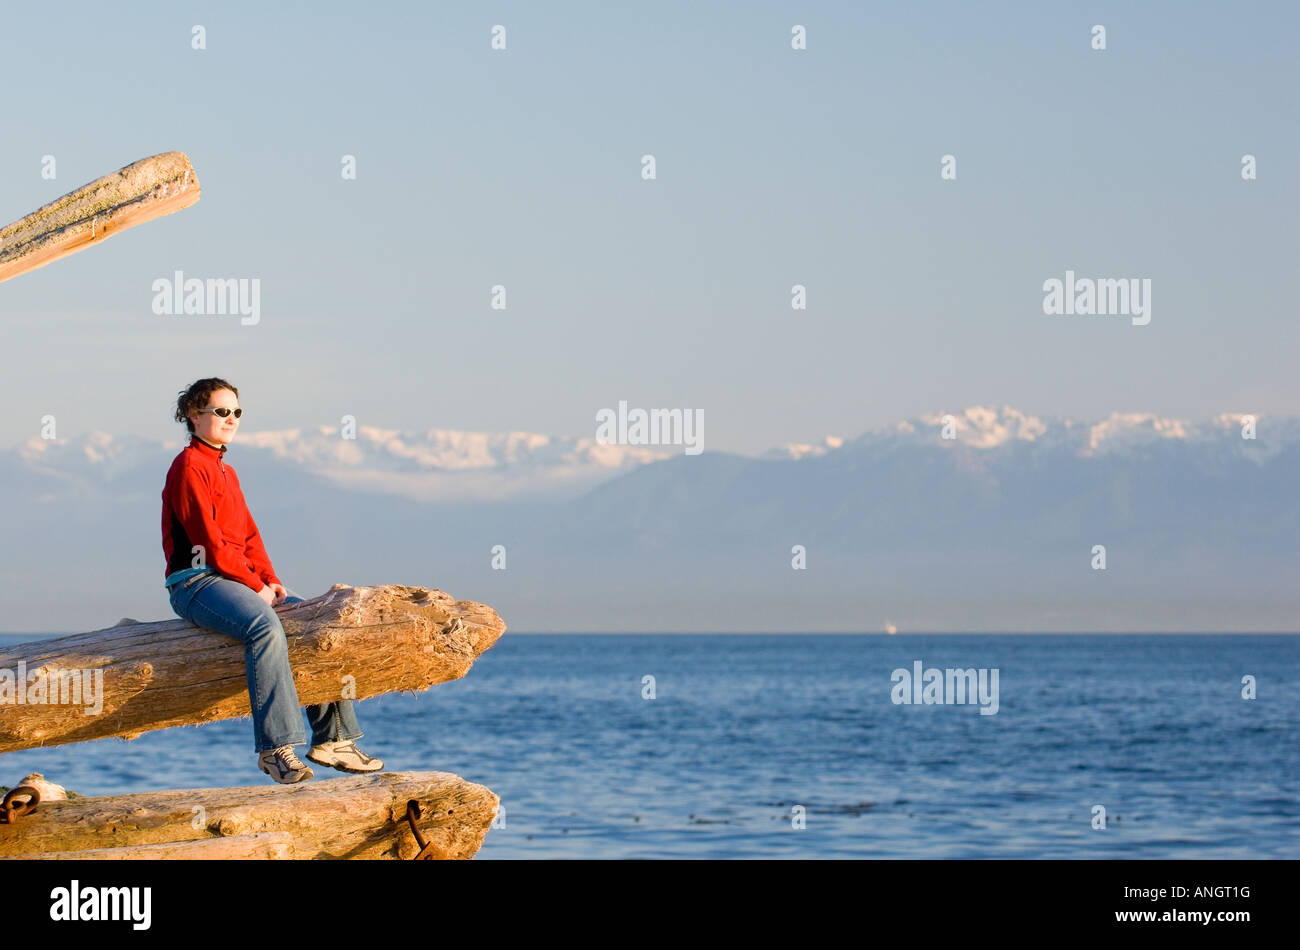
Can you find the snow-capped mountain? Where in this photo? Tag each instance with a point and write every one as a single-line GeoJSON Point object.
{"type": "Point", "coordinates": [985, 427]}
{"type": "Point", "coordinates": [434, 465]}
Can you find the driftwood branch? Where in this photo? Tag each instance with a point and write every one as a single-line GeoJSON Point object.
{"type": "Point", "coordinates": [357, 817]}
{"type": "Point", "coordinates": [348, 643]}
{"type": "Point", "coordinates": [144, 190]}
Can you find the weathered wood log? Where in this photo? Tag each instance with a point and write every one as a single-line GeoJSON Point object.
{"type": "Point", "coordinates": [348, 643]}
{"type": "Point", "coordinates": [356, 817]}
{"type": "Point", "coordinates": [144, 190]}
{"type": "Point", "coordinates": [273, 845]}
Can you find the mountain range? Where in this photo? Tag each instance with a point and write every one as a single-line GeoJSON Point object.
{"type": "Point", "coordinates": [993, 528]}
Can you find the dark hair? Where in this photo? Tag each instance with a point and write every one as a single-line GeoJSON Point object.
{"type": "Point", "coordinates": [196, 397]}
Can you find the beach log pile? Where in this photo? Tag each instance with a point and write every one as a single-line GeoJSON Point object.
{"type": "Point", "coordinates": [348, 643]}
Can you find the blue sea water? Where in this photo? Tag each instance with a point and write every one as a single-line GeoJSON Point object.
{"type": "Point", "coordinates": [744, 728]}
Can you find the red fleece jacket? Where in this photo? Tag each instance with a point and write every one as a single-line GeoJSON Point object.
{"type": "Point", "coordinates": [204, 505]}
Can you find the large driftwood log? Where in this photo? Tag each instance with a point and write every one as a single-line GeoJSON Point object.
{"type": "Point", "coordinates": [140, 192]}
{"type": "Point", "coordinates": [357, 817]}
{"type": "Point", "coordinates": [348, 643]}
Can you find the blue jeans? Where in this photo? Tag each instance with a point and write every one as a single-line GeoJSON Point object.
{"type": "Point", "coordinates": [228, 607]}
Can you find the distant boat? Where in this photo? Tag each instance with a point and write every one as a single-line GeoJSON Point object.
{"type": "Point", "coordinates": [890, 628]}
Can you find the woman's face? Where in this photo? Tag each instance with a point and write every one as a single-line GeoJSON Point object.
{"type": "Point", "coordinates": [209, 426]}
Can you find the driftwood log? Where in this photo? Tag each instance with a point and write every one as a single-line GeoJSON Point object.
{"type": "Point", "coordinates": [348, 643]}
{"type": "Point", "coordinates": [358, 817]}
{"type": "Point", "coordinates": [144, 190]}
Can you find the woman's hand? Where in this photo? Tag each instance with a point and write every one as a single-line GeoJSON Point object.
{"type": "Point", "coordinates": [280, 594]}
{"type": "Point", "coordinates": [268, 595]}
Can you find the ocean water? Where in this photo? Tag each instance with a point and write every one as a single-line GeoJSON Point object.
{"type": "Point", "coordinates": [747, 732]}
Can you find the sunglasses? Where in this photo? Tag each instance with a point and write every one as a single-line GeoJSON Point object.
{"type": "Point", "coordinates": [222, 411]}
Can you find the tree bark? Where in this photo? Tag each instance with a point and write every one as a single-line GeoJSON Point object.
{"type": "Point", "coordinates": [144, 190]}
{"type": "Point", "coordinates": [357, 817]}
{"type": "Point", "coordinates": [275, 845]}
{"type": "Point", "coordinates": [348, 643]}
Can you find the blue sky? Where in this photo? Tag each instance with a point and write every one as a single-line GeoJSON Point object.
{"type": "Point", "coordinates": [775, 167]}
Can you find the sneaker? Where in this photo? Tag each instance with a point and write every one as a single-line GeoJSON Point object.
{"type": "Point", "coordinates": [283, 766]}
{"type": "Point", "coordinates": [344, 755]}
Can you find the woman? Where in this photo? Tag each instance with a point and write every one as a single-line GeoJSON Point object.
{"type": "Point", "coordinates": [220, 577]}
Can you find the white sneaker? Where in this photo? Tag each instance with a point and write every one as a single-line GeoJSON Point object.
{"type": "Point", "coordinates": [283, 765]}
{"type": "Point", "coordinates": [344, 755]}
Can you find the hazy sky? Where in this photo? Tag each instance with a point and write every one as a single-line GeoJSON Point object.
{"type": "Point", "coordinates": [774, 167]}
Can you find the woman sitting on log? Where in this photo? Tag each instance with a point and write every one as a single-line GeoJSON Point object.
{"type": "Point", "coordinates": [219, 577]}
